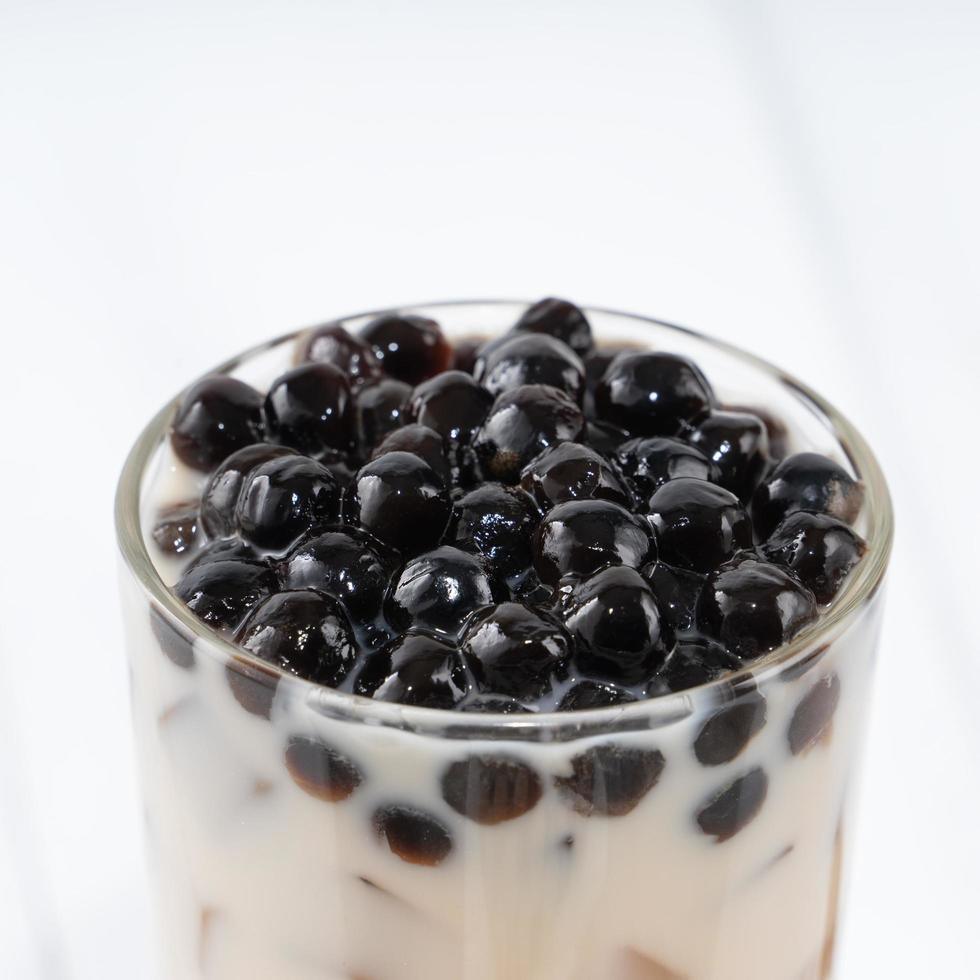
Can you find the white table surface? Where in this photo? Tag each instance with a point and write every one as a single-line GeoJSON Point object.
{"type": "Point", "coordinates": [182, 179]}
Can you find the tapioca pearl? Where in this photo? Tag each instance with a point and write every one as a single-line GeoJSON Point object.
{"type": "Point", "coordinates": [530, 359]}
{"type": "Point", "coordinates": [491, 789]}
{"type": "Point", "coordinates": [594, 694]}
{"type": "Point", "coordinates": [814, 714]}
{"type": "Point", "coordinates": [413, 835]}
{"type": "Point", "coordinates": [176, 645]}
{"type": "Point", "coordinates": [734, 806]}
{"type": "Point", "coordinates": [805, 481]}
{"type": "Point", "coordinates": [221, 592]}
{"type": "Point", "coordinates": [332, 344]}
{"type": "Point", "coordinates": [176, 530]}
{"type": "Point", "coordinates": [410, 348]}
{"type": "Point", "coordinates": [214, 417]}
{"type": "Point", "coordinates": [320, 770]}
{"type": "Point", "coordinates": [253, 687]}
{"type": "Point", "coordinates": [610, 780]}
{"type": "Point", "coordinates": [560, 319]}
{"type": "Point", "coordinates": [652, 393]}
{"type": "Point", "coordinates": [726, 733]}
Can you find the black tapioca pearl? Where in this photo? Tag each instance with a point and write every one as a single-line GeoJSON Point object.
{"type": "Point", "coordinates": [177, 645]}
{"type": "Point", "coordinates": [254, 687]}
{"type": "Point", "coordinates": [593, 694]}
{"type": "Point", "coordinates": [559, 319]}
{"type": "Point", "coordinates": [221, 592]}
{"type": "Point", "coordinates": [410, 348]}
{"type": "Point", "coordinates": [176, 531]}
{"type": "Point", "coordinates": [805, 481]}
{"type": "Point", "coordinates": [491, 789]}
{"type": "Point", "coordinates": [214, 417]}
{"type": "Point", "coordinates": [734, 806]}
{"type": "Point", "coordinates": [610, 780]}
{"type": "Point", "coordinates": [813, 714]}
{"type": "Point", "coordinates": [413, 835]}
{"type": "Point", "coordinates": [333, 344]}
{"type": "Point", "coordinates": [729, 729]}
{"type": "Point", "coordinates": [320, 770]}
{"type": "Point", "coordinates": [652, 393]}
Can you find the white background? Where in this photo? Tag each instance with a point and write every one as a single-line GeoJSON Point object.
{"type": "Point", "coordinates": [179, 180]}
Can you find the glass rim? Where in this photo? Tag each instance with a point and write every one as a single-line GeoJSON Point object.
{"type": "Point", "coordinates": [655, 712]}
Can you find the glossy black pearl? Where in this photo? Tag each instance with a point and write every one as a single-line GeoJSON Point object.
{"type": "Point", "coordinates": [613, 618]}
{"type": "Point", "coordinates": [523, 423]}
{"type": "Point", "coordinates": [417, 669]}
{"type": "Point", "coordinates": [282, 499]}
{"type": "Point", "coordinates": [221, 592]}
{"type": "Point", "coordinates": [559, 319]}
{"type": "Point", "coordinates": [399, 498]}
{"type": "Point", "coordinates": [176, 529]}
{"type": "Point", "coordinates": [333, 344]}
{"type": "Point", "coordinates": [596, 364]}
{"type": "Point", "coordinates": [776, 431]}
{"type": "Point", "coordinates": [452, 404]}
{"type": "Point", "coordinates": [436, 591]}
{"type": "Point", "coordinates": [221, 494]}
{"type": "Point", "coordinates": [571, 471]}
{"type": "Point", "coordinates": [753, 606]}
{"type": "Point", "coordinates": [530, 359]}
{"type": "Point", "coordinates": [677, 591]}
{"type": "Point", "coordinates": [818, 549]}
{"type": "Point", "coordinates": [497, 522]}
{"type": "Point", "coordinates": [378, 410]}
{"type": "Point", "coordinates": [303, 633]}
{"type": "Point", "coordinates": [650, 463]}
{"type": "Point", "coordinates": [696, 660]}
{"type": "Point", "coordinates": [738, 445]}
{"type": "Point", "coordinates": [216, 416]}
{"type": "Point", "coordinates": [582, 536]}
{"type": "Point", "coordinates": [346, 564]}
{"type": "Point", "coordinates": [593, 694]}
{"type": "Point", "coordinates": [652, 394]}
{"type": "Point", "coordinates": [806, 481]}
{"type": "Point", "coordinates": [699, 525]}
{"type": "Point", "coordinates": [309, 408]}
{"type": "Point", "coordinates": [521, 651]}
{"type": "Point", "coordinates": [410, 348]}
{"type": "Point", "coordinates": [421, 441]}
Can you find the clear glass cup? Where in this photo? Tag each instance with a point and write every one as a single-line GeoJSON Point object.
{"type": "Point", "coordinates": [296, 832]}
